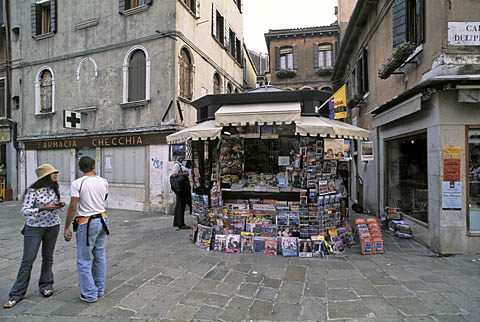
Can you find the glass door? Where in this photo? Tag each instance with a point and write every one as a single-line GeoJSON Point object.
{"type": "Point", "coordinates": [474, 179]}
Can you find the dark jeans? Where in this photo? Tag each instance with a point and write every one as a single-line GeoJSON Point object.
{"type": "Point", "coordinates": [180, 203]}
{"type": "Point", "coordinates": [33, 236]}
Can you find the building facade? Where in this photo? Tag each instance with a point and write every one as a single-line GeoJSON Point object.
{"type": "Point", "coordinates": [130, 70]}
{"type": "Point", "coordinates": [302, 58]}
{"type": "Point", "coordinates": [412, 70]}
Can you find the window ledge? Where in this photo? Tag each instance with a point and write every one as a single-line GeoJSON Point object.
{"type": "Point", "coordinates": [185, 100]}
{"type": "Point", "coordinates": [417, 51]}
{"type": "Point", "coordinates": [135, 10]}
{"type": "Point", "coordinates": [44, 36]}
{"type": "Point", "coordinates": [86, 24]}
{"type": "Point", "coordinates": [44, 114]}
{"type": "Point", "coordinates": [135, 104]}
{"type": "Point", "coordinates": [86, 109]}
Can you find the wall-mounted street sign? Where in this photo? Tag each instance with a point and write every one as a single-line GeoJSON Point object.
{"type": "Point", "coordinates": [72, 120]}
{"type": "Point", "coordinates": [464, 33]}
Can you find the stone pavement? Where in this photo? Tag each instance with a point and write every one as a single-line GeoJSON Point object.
{"type": "Point", "coordinates": [156, 273]}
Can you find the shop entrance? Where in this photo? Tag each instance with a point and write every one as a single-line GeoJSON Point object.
{"type": "Point", "coordinates": [89, 152]}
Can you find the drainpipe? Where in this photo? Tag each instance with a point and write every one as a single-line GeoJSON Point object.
{"type": "Point", "coordinates": [379, 208]}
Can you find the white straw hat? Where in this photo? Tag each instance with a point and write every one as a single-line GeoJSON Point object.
{"type": "Point", "coordinates": [44, 170]}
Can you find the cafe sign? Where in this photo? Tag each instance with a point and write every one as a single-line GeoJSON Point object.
{"type": "Point", "coordinates": [462, 33]}
{"type": "Point", "coordinates": [107, 141]}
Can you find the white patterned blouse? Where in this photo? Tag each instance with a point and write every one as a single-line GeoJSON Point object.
{"type": "Point", "coordinates": [36, 198]}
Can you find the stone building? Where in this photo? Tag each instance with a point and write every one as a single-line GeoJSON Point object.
{"type": "Point", "coordinates": [130, 69]}
{"type": "Point", "coordinates": [302, 58]}
{"type": "Point", "coordinates": [412, 69]}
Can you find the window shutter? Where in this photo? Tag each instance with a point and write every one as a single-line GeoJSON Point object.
{"type": "Point", "coordinates": [226, 35]}
{"type": "Point", "coordinates": [240, 5]}
{"type": "Point", "coordinates": [34, 19]}
{"type": "Point", "coordinates": [399, 17]}
{"type": "Point", "coordinates": [197, 8]}
{"type": "Point", "coordinates": [358, 74]}
{"type": "Point", "coordinates": [53, 16]}
{"type": "Point", "coordinates": [121, 6]}
{"type": "Point", "coordinates": [334, 52]}
{"type": "Point", "coordinates": [295, 56]}
{"type": "Point", "coordinates": [214, 21]}
{"type": "Point", "coordinates": [315, 55]}
{"type": "Point", "coordinates": [419, 23]}
{"type": "Point", "coordinates": [365, 70]}
{"type": "Point", "coordinates": [277, 58]}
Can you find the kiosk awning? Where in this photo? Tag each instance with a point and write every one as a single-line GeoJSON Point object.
{"type": "Point", "coordinates": [202, 131]}
{"type": "Point", "coordinates": [313, 126]}
{"type": "Point", "coordinates": [258, 113]}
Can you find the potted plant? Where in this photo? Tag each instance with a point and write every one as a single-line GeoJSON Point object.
{"type": "Point", "coordinates": [399, 55]}
{"type": "Point", "coordinates": [286, 73]}
{"type": "Point", "coordinates": [324, 71]}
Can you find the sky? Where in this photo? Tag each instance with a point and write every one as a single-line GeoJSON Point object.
{"type": "Point", "coordinates": [261, 15]}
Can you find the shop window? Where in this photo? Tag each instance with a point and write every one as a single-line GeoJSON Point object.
{"type": "Point", "coordinates": [186, 79]}
{"type": "Point", "coordinates": [124, 165]}
{"type": "Point", "coordinates": [60, 159]}
{"type": "Point", "coordinates": [408, 21]}
{"type": "Point", "coordinates": [474, 180]}
{"type": "Point", "coordinates": [44, 91]}
{"type": "Point", "coordinates": [43, 17]}
{"type": "Point", "coordinates": [406, 174]}
{"type": "Point", "coordinates": [217, 87]}
{"type": "Point", "coordinates": [136, 75]}
{"type": "Point", "coordinates": [218, 25]}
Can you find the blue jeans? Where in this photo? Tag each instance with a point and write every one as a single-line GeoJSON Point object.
{"type": "Point", "coordinates": [91, 260]}
{"type": "Point", "coordinates": [33, 236]}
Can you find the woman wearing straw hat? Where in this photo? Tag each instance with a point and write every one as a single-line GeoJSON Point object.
{"type": "Point", "coordinates": [40, 204]}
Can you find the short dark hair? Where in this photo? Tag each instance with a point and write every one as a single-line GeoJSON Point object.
{"type": "Point", "coordinates": [86, 164]}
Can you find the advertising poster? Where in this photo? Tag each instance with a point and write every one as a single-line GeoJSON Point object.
{"type": "Point", "coordinates": [367, 151]}
{"type": "Point", "coordinates": [451, 170]}
{"type": "Point", "coordinates": [452, 195]}
{"type": "Point", "coordinates": [346, 150]}
{"type": "Point", "coordinates": [333, 149]}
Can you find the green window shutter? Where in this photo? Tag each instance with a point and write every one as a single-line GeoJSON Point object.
{"type": "Point", "coordinates": [315, 54]}
{"type": "Point", "coordinates": [420, 21]}
{"type": "Point", "coordinates": [334, 52]}
{"type": "Point", "coordinates": [277, 58]}
{"type": "Point", "coordinates": [53, 16]}
{"type": "Point", "coordinates": [35, 19]}
{"type": "Point", "coordinates": [214, 21]}
{"type": "Point", "coordinates": [399, 17]}
{"type": "Point", "coordinates": [295, 56]}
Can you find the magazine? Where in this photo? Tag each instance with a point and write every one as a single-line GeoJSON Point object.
{"type": "Point", "coordinates": [305, 248]}
{"type": "Point", "coordinates": [289, 246]}
{"type": "Point", "coordinates": [259, 244]}
{"type": "Point", "coordinates": [271, 246]}
{"type": "Point", "coordinates": [318, 247]}
{"type": "Point", "coordinates": [233, 244]}
{"type": "Point", "coordinates": [220, 243]}
{"type": "Point", "coordinates": [247, 242]}
{"type": "Point", "coordinates": [204, 237]}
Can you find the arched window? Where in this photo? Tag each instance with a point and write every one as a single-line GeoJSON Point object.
{"type": "Point", "coordinates": [229, 88]}
{"type": "Point", "coordinates": [217, 88]}
{"type": "Point", "coordinates": [136, 75]}
{"type": "Point", "coordinates": [186, 80]}
{"type": "Point", "coordinates": [44, 91]}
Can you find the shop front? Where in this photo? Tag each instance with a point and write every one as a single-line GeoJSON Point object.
{"type": "Point", "coordinates": [269, 177]}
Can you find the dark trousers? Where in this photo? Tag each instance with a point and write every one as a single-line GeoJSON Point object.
{"type": "Point", "coordinates": [33, 236]}
{"type": "Point", "coordinates": [180, 204]}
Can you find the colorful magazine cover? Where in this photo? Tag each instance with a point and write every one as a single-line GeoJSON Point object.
{"type": "Point", "coordinates": [318, 248]}
{"type": "Point", "coordinates": [220, 243]}
{"type": "Point", "coordinates": [271, 246]}
{"type": "Point", "coordinates": [233, 244]}
{"type": "Point", "coordinates": [192, 233]}
{"type": "Point", "coordinates": [289, 246]}
{"type": "Point", "coordinates": [247, 242]}
{"type": "Point", "coordinates": [204, 237]}
{"type": "Point", "coordinates": [304, 248]}
{"type": "Point", "coordinates": [259, 244]}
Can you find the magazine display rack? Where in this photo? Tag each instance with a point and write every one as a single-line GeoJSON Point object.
{"type": "Point", "coordinates": [264, 189]}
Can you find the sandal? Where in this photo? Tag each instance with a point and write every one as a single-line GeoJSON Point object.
{"type": "Point", "coordinates": [47, 293]}
{"type": "Point", "coordinates": [9, 304]}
